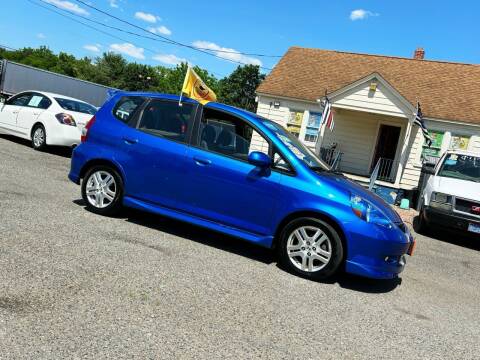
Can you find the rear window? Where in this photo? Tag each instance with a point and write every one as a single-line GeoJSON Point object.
{"type": "Point", "coordinates": [126, 107]}
{"type": "Point", "coordinates": [78, 106]}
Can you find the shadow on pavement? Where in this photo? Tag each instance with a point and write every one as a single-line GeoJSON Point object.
{"type": "Point", "coordinates": [459, 238]}
{"type": "Point", "coordinates": [62, 151]}
{"type": "Point", "coordinates": [243, 248]}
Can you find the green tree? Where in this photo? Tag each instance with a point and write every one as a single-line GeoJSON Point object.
{"type": "Point", "coordinates": [238, 89]}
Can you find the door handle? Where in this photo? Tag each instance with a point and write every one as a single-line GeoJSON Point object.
{"type": "Point", "coordinates": [36, 113]}
{"type": "Point", "coordinates": [15, 112]}
{"type": "Point", "coordinates": [202, 162]}
{"type": "Point", "coordinates": [130, 141]}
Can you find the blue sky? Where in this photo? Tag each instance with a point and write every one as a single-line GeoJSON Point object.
{"type": "Point", "coordinates": [448, 30]}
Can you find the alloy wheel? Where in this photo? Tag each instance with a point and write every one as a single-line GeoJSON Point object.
{"type": "Point", "coordinates": [38, 137]}
{"type": "Point", "coordinates": [101, 189]}
{"type": "Point", "coordinates": [309, 248]}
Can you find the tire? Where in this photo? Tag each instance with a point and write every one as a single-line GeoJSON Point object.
{"type": "Point", "coordinates": [100, 194]}
{"type": "Point", "coordinates": [39, 137]}
{"type": "Point", "coordinates": [323, 255]}
{"type": "Point", "coordinates": [420, 224]}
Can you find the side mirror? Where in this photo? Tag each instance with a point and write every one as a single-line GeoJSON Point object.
{"type": "Point", "coordinates": [259, 159]}
{"type": "Point", "coordinates": [428, 169]}
{"type": "Point", "coordinates": [2, 103]}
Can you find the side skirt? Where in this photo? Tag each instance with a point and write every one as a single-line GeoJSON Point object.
{"type": "Point", "coordinates": [264, 241]}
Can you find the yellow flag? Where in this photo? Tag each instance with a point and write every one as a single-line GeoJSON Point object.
{"type": "Point", "coordinates": [195, 88]}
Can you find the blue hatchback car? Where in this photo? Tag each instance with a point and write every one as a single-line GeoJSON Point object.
{"type": "Point", "coordinates": [235, 172]}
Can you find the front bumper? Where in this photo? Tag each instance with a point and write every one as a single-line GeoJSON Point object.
{"type": "Point", "coordinates": [447, 219]}
{"type": "Point", "coordinates": [379, 253]}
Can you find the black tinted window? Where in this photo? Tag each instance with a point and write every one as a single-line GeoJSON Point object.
{"type": "Point", "coordinates": [126, 107]}
{"type": "Point", "coordinates": [168, 119]}
{"type": "Point", "coordinates": [78, 106]}
{"type": "Point", "coordinates": [19, 100]}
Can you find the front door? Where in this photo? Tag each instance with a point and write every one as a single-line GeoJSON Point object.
{"type": "Point", "coordinates": [387, 142]}
{"type": "Point", "coordinates": [9, 112]}
{"type": "Point", "coordinates": [224, 186]}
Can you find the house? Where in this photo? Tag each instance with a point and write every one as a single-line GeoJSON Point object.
{"type": "Point", "coordinates": [374, 101]}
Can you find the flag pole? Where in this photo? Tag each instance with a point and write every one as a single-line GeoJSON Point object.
{"type": "Point", "coordinates": [183, 86]}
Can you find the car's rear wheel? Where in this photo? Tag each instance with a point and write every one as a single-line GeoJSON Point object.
{"type": "Point", "coordinates": [102, 190]}
{"type": "Point", "coordinates": [39, 137]}
{"type": "Point", "coordinates": [311, 248]}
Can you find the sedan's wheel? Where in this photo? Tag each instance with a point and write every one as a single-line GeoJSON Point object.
{"type": "Point", "coordinates": [311, 247]}
{"type": "Point", "coordinates": [39, 137]}
{"type": "Point", "coordinates": [102, 190]}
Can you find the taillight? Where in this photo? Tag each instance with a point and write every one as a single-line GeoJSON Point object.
{"type": "Point", "coordinates": [66, 119]}
{"type": "Point", "coordinates": [89, 124]}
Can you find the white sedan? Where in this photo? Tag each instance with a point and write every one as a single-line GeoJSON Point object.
{"type": "Point", "coordinates": [45, 118]}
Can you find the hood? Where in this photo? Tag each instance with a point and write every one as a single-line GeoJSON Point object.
{"type": "Point", "coordinates": [349, 186]}
{"type": "Point", "coordinates": [460, 188]}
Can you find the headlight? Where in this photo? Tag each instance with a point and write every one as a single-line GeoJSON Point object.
{"type": "Point", "coordinates": [369, 212]}
{"type": "Point", "coordinates": [441, 200]}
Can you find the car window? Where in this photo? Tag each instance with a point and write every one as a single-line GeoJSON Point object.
{"type": "Point", "coordinates": [39, 101]}
{"type": "Point", "coordinates": [226, 134]}
{"type": "Point", "coordinates": [126, 108]}
{"type": "Point", "coordinates": [77, 106]}
{"type": "Point", "coordinates": [280, 164]}
{"type": "Point", "coordinates": [20, 99]}
{"type": "Point", "coordinates": [167, 119]}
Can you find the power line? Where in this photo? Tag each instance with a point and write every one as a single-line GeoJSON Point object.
{"type": "Point", "coordinates": [94, 28]}
{"type": "Point", "coordinates": [7, 47]}
{"type": "Point", "coordinates": [165, 38]}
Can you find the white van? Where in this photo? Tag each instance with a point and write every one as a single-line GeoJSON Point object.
{"type": "Point", "coordinates": [451, 197]}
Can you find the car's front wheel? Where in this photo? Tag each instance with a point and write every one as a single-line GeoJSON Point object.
{"type": "Point", "coordinates": [102, 190]}
{"type": "Point", "coordinates": [39, 137]}
{"type": "Point", "coordinates": [311, 247]}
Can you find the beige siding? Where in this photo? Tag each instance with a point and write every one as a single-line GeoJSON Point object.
{"type": "Point", "coordinates": [381, 101]}
{"type": "Point", "coordinates": [356, 135]}
{"type": "Point", "coordinates": [411, 175]}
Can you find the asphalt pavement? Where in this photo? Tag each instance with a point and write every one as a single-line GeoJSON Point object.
{"type": "Point", "coordinates": [78, 285]}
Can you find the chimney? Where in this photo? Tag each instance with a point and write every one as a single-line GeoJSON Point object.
{"type": "Point", "coordinates": [419, 54]}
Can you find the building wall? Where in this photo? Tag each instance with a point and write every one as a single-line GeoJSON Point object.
{"type": "Point", "coordinates": [413, 166]}
{"type": "Point", "coordinates": [355, 134]}
{"type": "Point", "coordinates": [381, 101]}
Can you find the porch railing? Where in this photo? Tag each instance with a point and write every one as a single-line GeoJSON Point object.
{"type": "Point", "coordinates": [332, 157]}
{"type": "Point", "coordinates": [385, 170]}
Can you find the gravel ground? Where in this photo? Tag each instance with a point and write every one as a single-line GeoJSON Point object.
{"type": "Point", "coordinates": [78, 285]}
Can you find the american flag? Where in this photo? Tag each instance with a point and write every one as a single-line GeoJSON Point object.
{"type": "Point", "coordinates": [327, 116]}
{"type": "Point", "coordinates": [419, 121]}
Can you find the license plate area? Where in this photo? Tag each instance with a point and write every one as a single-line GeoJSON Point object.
{"type": "Point", "coordinates": [474, 228]}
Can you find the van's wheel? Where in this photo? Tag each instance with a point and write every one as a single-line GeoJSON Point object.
{"type": "Point", "coordinates": [311, 248]}
{"type": "Point", "coordinates": [102, 190]}
{"type": "Point", "coordinates": [39, 137]}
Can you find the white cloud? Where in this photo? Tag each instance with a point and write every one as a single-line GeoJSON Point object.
{"type": "Point", "coordinates": [146, 17]}
{"type": "Point", "coordinates": [113, 4]}
{"type": "Point", "coordinates": [227, 53]}
{"type": "Point", "coordinates": [41, 36]}
{"type": "Point", "coordinates": [128, 49]}
{"type": "Point", "coordinates": [169, 59]}
{"type": "Point", "coordinates": [361, 14]}
{"type": "Point", "coordinates": [160, 30]}
{"type": "Point", "coordinates": [93, 48]}
{"type": "Point", "coordinates": [67, 5]}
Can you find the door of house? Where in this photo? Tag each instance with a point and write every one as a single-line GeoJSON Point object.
{"type": "Point", "coordinates": [386, 148]}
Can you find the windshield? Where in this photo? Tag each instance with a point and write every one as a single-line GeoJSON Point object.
{"type": "Point", "coordinates": [465, 167]}
{"type": "Point", "coordinates": [298, 149]}
{"type": "Point", "coordinates": [78, 106]}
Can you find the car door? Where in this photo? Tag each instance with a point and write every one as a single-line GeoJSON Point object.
{"type": "Point", "coordinates": [10, 110]}
{"type": "Point", "coordinates": [154, 152]}
{"type": "Point", "coordinates": [223, 186]}
{"type": "Point", "coordinates": [29, 113]}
